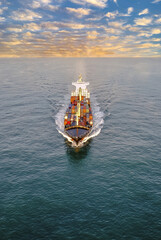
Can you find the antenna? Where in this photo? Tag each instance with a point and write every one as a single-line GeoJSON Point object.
{"type": "Point", "coordinates": [80, 78]}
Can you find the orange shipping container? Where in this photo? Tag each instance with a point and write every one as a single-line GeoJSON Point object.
{"type": "Point", "coordinates": [72, 98]}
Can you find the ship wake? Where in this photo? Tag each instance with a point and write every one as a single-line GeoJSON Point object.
{"type": "Point", "coordinates": [98, 121]}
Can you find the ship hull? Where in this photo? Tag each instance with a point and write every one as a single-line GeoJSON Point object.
{"type": "Point", "coordinates": [78, 133]}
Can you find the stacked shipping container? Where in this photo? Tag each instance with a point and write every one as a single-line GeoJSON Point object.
{"type": "Point", "coordinates": [85, 119]}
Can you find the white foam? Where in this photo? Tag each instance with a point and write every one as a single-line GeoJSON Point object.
{"type": "Point", "coordinates": [97, 122]}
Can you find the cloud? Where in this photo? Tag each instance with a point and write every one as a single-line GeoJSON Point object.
{"type": "Point", "coordinates": [45, 4]}
{"type": "Point", "coordinates": [12, 42]}
{"type": "Point", "coordinates": [145, 11]}
{"type": "Point", "coordinates": [45, 1]}
{"type": "Point", "coordinates": [149, 45]}
{"type": "Point", "coordinates": [149, 33]}
{"type": "Point", "coordinates": [40, 3]}
{"type": "Point", "coordinates": [44, 26]}
{"type": "Point", "coordinates": [143, 21]}
{"type": "Point", "coordinates": [145, 34]}
{"type": "Point", "coordinates": [116, 24]}
{"type": "Point", "coordinates": [112, 15]}
{"type": "Point", "coordinates": [52, 8]}
{"type": "Point", "coordinates": [130, 10]}
{"type": "Point", "coordinates": [94, 18]}
{"type": "Point", "coordinates": [79, 12]}
{"type": "Point", "coordinates": [158, 20]}
{"type": "Point", "coordinates": [2, 9]}
{"type": "Point", "coordinates": [156, 1]}
{"type": "Point", "coordinates": [2, 19]}
{"type": "Point", "coordinates": [99, 51]}
{"type": "Point", "coordinates": [28, 35]}
{"type": "Point", "coordinates": [60, 26]}
{"type": "Point", "coordinates": [74, 25]}
{"type": "Point", "coordinates": [156, 39]}
{"type": "Point", "coordinates": [113, 31]}
{"type": "Point", "coordinates": [35, 4]}
{"type": "Point", "coordinates": [96, 3]}
{"type": "Point", "coordinates": [14, 29]}
{"type": "Point", "coordinates": [25, 15]}
{"type": "Point", "coordinates": [49, 26]}
{"type": "Point", "coordinates": [156, 31]}
{"type": "Point", "coordinates": [128, 14]}
{"type": "Point", "coordinates": [92, 35]}
{"type": "Point", "coordinates": [33, 27]}
{"type": "Point", "coordinates": [133, 29]}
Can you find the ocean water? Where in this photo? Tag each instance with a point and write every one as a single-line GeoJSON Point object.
{"type": "Point", "coordinates": [107, 189]}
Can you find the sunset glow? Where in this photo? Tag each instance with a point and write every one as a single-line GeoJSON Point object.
{"type": "Point", "coordinates": [80, 28]}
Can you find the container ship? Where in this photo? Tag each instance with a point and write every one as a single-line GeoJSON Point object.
{"type": "Point", "coordinates": [78, 119]}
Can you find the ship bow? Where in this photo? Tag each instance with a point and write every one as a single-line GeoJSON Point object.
{"type": "Point", "coordinates": [77, 133]}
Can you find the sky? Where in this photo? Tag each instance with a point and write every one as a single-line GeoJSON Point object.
{"type": "Point", "coordinates": [80, 28]}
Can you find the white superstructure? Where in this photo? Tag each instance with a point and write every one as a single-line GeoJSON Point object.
{"type": "Point", "coordinates": [80, 84]}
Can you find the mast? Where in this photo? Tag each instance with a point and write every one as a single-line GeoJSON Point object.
{"type": "Point", "coordinates": [78, 106]}
{"type": "Point", "coordinates": [80, 78]}
{"type": "Point", "coordinates": [80, 94]}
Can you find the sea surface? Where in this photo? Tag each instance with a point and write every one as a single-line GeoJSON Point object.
{"type": "Point", "coordinates": [107, 189]}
